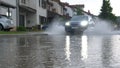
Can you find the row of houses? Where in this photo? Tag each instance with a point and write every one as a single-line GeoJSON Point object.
{"type": "Point", "coordinates": [30, 13]}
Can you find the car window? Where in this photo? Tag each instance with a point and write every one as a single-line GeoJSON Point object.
{"type": "Point", "coordinates": [79, 18]}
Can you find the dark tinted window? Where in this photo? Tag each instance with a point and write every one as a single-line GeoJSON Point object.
{"type": "Point", "coordinates": [79, 18]}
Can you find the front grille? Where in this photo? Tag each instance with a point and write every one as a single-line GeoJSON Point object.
{"type": "Point", "coordinates": [74, 24]}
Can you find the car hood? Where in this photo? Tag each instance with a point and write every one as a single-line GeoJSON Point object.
{"type": "Point", "coordinates": [72, 22]}
{"type": "Point", "coordinates": [5, 20]}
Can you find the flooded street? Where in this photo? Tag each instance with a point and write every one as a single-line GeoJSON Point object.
{"type": "Point", "coordinates": [60, 51]}
{"type": "Point", "coordinates": [59, 34]}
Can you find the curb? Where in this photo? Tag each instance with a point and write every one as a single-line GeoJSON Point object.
{"type": "Point", "coordinates": [25, 34]}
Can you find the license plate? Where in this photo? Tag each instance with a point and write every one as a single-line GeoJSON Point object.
{"type": "Point", "coordinates": [74, 27]}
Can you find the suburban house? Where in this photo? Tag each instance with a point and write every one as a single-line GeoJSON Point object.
{"type": "Point", "coordinates": [32, 12]}
{"type": "Point", "coordinates": [71, 10]}
{"type": "Point", "coordinates": [78, 7]}
{"type": "Point", "coordinates": [54, 9]}
{"type": "Point", "coordinates": [68, 10]}
{"type": "Point", "coordinates": [41, 11]}
{"type": "Point", "coordinates": [58, 7]}
{"type": "Point", "coordinates": [29, 13]}
{"type": "Point", "coordinates": [38, 12]}
{"type": "Point", "coordinates": [8, 8]}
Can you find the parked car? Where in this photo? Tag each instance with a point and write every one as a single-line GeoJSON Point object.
{"type": "Point", "coordinates": [77, 24]}
{"type": "Point", "coordinates": [5, 23]}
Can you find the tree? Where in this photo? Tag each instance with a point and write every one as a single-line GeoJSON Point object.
{"type": "Point", "coordinates": [106, 11]}
{"type": "Point", "coordinates": [79, 11]}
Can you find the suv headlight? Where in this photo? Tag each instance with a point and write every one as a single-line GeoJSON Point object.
{"type": "Point", "coordinates": [67, 24]}
{"type": "Point", "coordinates": [84, 23]}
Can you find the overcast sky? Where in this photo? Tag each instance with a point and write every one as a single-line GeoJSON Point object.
{"type": "Point", "coordinates": [95, 5]}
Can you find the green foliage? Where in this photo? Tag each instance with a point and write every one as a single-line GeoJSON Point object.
{"type": "Point", "coordinates": [35, 28]}
{"type": "Point", "coordinates": [21, 28]}
{"type": "Point", "coordinates": [106, 11]}
{"type": "Point", "coordinates": [79, 11]}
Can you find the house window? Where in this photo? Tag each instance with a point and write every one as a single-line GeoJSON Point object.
{"type": "Point", "coordinates": [42, 20]}
{"type": "Point", "coordinates": [23, 1]}
{"type": "Point", "coordinates": [44, 3]}
{"type": "Point", "coordinates": [54, 10]}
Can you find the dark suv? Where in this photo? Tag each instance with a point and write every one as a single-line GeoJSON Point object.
{"type": "Point", "coordinates": [77, 23]}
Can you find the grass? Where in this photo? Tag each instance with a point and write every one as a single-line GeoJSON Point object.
{"type": "Point", "coordinates": [12, 32]}
{"type": "Point", "coordinates": [17, 32]}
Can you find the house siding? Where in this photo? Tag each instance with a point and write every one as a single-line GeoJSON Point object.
{"type": "Point", "coordinates": [41, 12]}
{"type": "Point", "coordinates": [58, 8]}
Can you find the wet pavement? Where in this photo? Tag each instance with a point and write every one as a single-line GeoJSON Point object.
{"type": "Point", "coordinates": [60, 51]}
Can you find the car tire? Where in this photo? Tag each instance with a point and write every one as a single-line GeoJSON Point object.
{"type": "Point", "coordinates": [1, 27]}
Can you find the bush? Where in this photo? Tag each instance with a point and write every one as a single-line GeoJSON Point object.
{"type": "Point", "coordinates": [21, 28]}
{"type": "Point", "coordinates": [35, 28]}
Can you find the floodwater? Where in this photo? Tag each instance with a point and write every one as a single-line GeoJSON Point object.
{"type": "Point", "coordinates": [60, 51]}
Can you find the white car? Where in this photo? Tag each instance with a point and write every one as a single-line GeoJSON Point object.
{"type": "Point", "coordinates": [5, 23]}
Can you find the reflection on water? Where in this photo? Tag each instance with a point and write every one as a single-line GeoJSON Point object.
{"type": "Point", "coordinates": [115, 43]}
{"type": "Point", "coordinates": [84, 47]}
{"type": "Point", "coordinates": [47, 51]}
{"type": "Point", "coordinates": [67, 48]}
{"type": "Point", "coordinates": [76, 50]}
{"type": "Point", "coordinates": [26, 55]}
{"type": "Point", "coordinates": [7, 52]}
{"type": "Point", "coordinates": [107, 52]}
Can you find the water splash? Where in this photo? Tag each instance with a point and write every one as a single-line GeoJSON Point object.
{"type": "Point", "coordinates": [101, 28]}
{"type": "Point", "coordinates": [56, 27]}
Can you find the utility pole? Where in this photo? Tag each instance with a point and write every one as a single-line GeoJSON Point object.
{"type": "Point", "coordinates": [17, 13]}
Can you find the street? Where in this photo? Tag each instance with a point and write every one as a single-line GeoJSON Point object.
{"type": "Point", "coordinates": [60, 51]}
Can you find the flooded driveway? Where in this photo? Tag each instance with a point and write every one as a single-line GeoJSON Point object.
{"type": "Point", "coordinates": [60, 51]}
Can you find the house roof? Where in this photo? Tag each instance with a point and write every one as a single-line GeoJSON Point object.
{"type": "Point", "coordinates": [78, 5]}
{"type": "Point", "coordinates": [56, 0]}
{"type": "Point", "coordinates": [73, 6]}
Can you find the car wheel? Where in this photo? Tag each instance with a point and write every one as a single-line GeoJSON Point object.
{"type": "Point", "coordinates": [1, 27]}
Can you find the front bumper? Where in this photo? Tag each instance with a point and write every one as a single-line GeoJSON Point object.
{"type": "Point", "coordinates": [10, 26]}
{"type": "Point", "coordinates": [71, 28]}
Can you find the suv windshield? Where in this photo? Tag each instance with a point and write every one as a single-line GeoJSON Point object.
{"type": "Point", "coordinates": [79, 18]}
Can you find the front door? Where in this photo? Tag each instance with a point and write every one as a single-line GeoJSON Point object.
{"type": "Point", "coordinates": [22, 20]}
